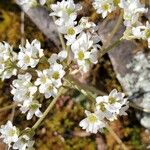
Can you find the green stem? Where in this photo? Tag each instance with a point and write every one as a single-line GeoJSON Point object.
{"type": "Point", "coordinates": [117, 42]}
{"type": "Point", "coordinates": [117, 26]}
{"type": "Point", "coordinates": [35, 126]}
{"type": "Point", "coordinates": [105, 50]}
{"type": "Point", "coordinates": [60, 36]}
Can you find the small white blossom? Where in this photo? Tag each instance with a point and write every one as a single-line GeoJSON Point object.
{"type": "Point", "coordinates": [56, 58]}
{"type": "Point", "coordinates": [49, 90]}
{"type": "Point", "coordinates": [103, 7]}
{"type": "Point", "coordinates": [56, 73]}
{"type": "Point", "coordinates": [24, 143]}
{"type": "Point", "coordinates": [83, 51]}
{"type": "Point", "coordinates": [9, 133]}
{"type": "Point", "coordinates": [45, 83]}
{"type": "Point", "coordinates": [7, 61]}
{"type": "Point", "coordinates": [32, 107]}
{"type": "Point", "coordinates": [22, 88]}
{"type": "Point", "coordinates": [30, 54]}
{"type": "Point", "coordinates": [112, 105]}
{"type": "Point", "coordinates": [70, 32]}
{"type": "Point", "coordinates": [92, 123]}
{"type": "Point", "coordinates": [66, 10]}
{"type": "Point", "coordinates": [86, 25]}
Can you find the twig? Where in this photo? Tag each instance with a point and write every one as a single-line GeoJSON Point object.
{"type": "Point", "coordinates": [8, 107]}
{"type": "Point", "coordinates": [116, 137]}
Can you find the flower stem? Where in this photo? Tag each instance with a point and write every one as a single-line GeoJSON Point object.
{"type": "Point", "coordinates": [117, 26]}
{"type": "Point", "coordinates": [116, 137]}
{"type": "Point", "coordinates": [60, 36]}
{"type": "Point", "coordinates": [35, 126]}
{"type": "Point", "coordinates": [117, 42]}
{"type": "Point", "coordinates": [105, 50]}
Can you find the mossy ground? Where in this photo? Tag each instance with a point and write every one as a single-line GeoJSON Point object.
{"type": "Point", "coordinates": [60, 130]}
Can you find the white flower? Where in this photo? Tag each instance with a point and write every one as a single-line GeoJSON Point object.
{"type": "Point", "coordinates": [55, 58]}
{"type": "Point", "coordinates": [30, 54]}
{"type": "Point", "coordinates": [116, 101]}
{"type": "Point", "coordinates": [132, 11]}
{"type": "Point", "coordinates": [24, 143]}
{"type": "Point", "coordinates": [9, 133]}
{"type": "Point", "coordinates": [70, 32]}
{"type": "Point", "coordinates": [112, 105]}
{"type": "Point", "coordinates": [56, 73]}
{"type": "Point", "coordinates": [92, 123]}
{"type": "Point", "coordinates": [32, 107]}
{"type": "Point", "coordinates": [101, 103]}
{"type": "Point", "coordinates": [28, 3]}
{"type": "Point", "coordinates": [86, 25]}
{"type": "Point", "coordinates": [66, 10]}
{"type": "Point", "coordinates": [22, 88]}
{"type": "Point", "coordinates": [49, 89]}
{"type": "Point", "coordinates": [103, 7]}
{"type": "Point", "coordinates": [42, 79]}
{"type": "Point", "coordinates": [84, 53]}
{"type": "Point", "coordinates": [45, 83]}
{"type": "Point", "coordinates": [7, 61]}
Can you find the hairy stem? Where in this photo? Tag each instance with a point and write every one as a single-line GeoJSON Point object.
{"type": "Point", "coordinates": [36, 125]}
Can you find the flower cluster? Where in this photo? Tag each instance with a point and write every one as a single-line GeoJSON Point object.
{"type": "Point", "coordinates": [132, 10]}
{"type": "Point", "coordinates": [81, 36]}
{"type": "Point", "coordinates": [7, 61]}
{"type": "Point", "coordinates": [11, 136]}
{"type": "Point", "coordinates": [24, 94]}
{"type": "Point", "coordinates": [107, 108]}
{"type": "Point", "coordinates": [49, 80]}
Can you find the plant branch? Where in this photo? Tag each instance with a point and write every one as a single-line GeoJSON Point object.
{"type": "Point", "coordinates": [60, 36]}
{"type": "Point", "coordinates": [8, 107]}
{"type": "Point", "coordinates": [105, 50]}
{"type": "Point", "coordinates": [35, 126]}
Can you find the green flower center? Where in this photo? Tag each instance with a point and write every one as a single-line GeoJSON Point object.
{"type": "Point", "coordinates": [105, 7]}
{"type": "Point", "coordinates": [55, 75]}
{"type": "Point", "coordinates": [92, 118]}
{"type": "Point", "coordinates": [116, 2]}
{"type": "Point", "coordinates": [71, 31]}
{"type": "Point", "coordinates": [80, 55]}
{"type": "Point", "coordinates": [26, 59]}
{"type": "Point", "coordinates": [69, 11]}
{"type": "Point", "coordinates": [34, 106]}
{"type": "Point", "coordinates": [111, 100]}
{"type": "Point", "coordinates": [102, 107]}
